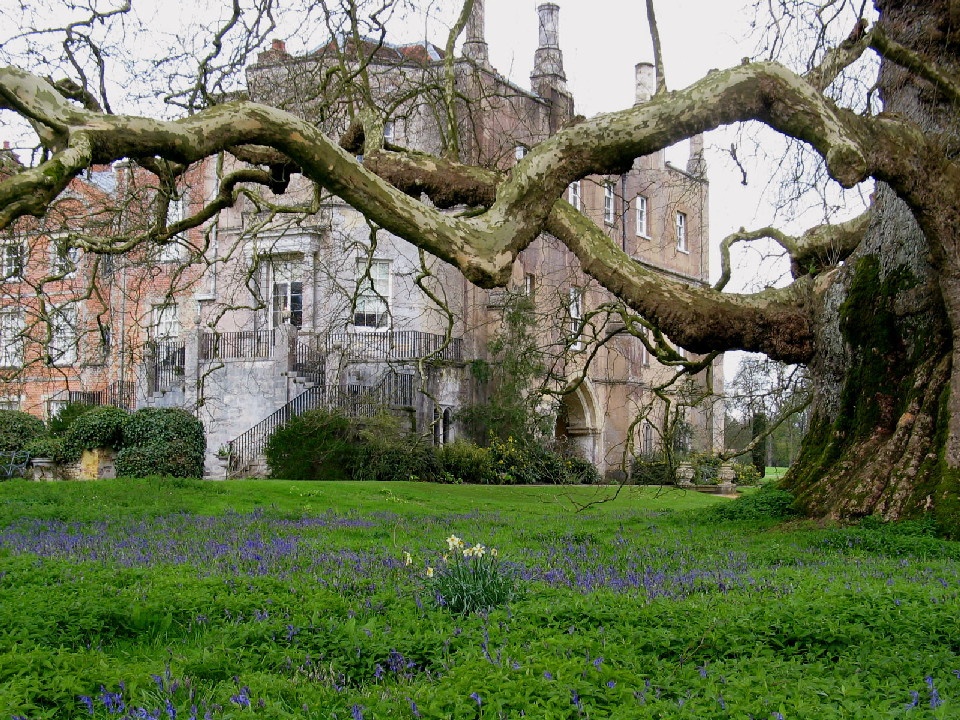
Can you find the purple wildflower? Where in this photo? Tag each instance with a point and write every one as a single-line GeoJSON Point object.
{"type": "Point", "coordinates": [915, 699]}
{"type": "Point", "coordinates": [242, 698]}
{"type": "Point", "coordinates": [476, 696]}
{"type": "Point", "coordinates": [86, 700]}
{"type": "Point", "coordinates": [611, 684]}
{"type": "Point", "coordinates": [548, 675]}
{"type": "Point", "coordinates": [413, 708]}
{"type": "Point", "coordinates": [356, 712]}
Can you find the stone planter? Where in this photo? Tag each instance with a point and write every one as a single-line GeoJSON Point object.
{"type": "Point", "coordinates": [44, 468]}
{"type": "Point", "coordinates": [685, 473]}
{"type": "Point", "coordinates": [98, 464]}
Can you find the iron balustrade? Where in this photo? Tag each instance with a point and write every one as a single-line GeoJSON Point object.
{"type": "Point", "coordinates": [243, 344]}
{"type": "Point", "coordinates": [396, 345]}
{"type": "Point", "coordinates": [165, 366]}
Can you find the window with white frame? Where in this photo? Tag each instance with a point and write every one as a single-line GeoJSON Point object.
{"type": "Point", "coordinates": [173, 250]}
{"type": "Point", "coordinates": [609, 213]}
{"type": "Point", "coordinates": [11, 260]}
{"type": "Point", "coordinates": [166, 321]}
{"type": "Point", "coordinates": [648, 447]}
{"type": "Point", "coordinates": [575, 310]}
{"type": "Point", "coordinates": [519, 152]}
{"type": "Point", "coordinates": [575, 195]}
{"type": "Point", "coordinates": [65, 260]}
{"type": "Point", "coordinates": [642, 219]}
{"type": "Point", "coordinates": [529, 284]}
{"type": "Point", "coordinates": [372, 309]}
{"type": "Point", "coordinates": [682, 232]}
{"type": "Point", "coordinates": [11, 338]}
{"type": "Point", "coordinates": [286, 293]}
{"type": "Point", "coordinates": [9, 403]}
{"type": "Point", "coordinates": [62, 346]}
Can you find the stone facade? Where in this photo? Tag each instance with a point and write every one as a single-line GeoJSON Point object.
{"type": "Point", "coordinates": [264, 313]}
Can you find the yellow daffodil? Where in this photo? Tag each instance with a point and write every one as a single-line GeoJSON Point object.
{"type": "Point", "coordinates": [454, 543]}
{"type": "Point", "coordinates": [493, 552]}
{"type": "Point", "coordinates": [407, 558]}
{"type": "Point", "coordinates": [479, 550]}
{"type": "Point", "coordinates": [445, 557]}
{"type": "Point", "coordinates": [429, 572]}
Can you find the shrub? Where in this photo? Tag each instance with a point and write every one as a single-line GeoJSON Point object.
{"type": "Point", "coordinates": [651, 470]}
{"type": "Point", "coordinates": [581, 471]}
{"type": "Point", "coordinates": [178, 459]}
{"type": "Point", "coordinates": [50, 447]}
{"type": "Point", "coordinates": [518, 463]}
{"type": "Point", "coordinates": [768, 503]}
{"type": "Point", "coordinates": [100, 427]}
{"type": "Point", "coordinates": [747, 474]}
{"type": "Point", "coordinates": [465, 462]}
{"type": "Point", "coordinates": [60, 423]}
{"type": "Point", "coordinates": [150, 426]}
{"type": "Point", "coordinates": [472, 580]}
{"type": "Point", "coordinates": [17, 429]}
{"type": "Point", "coordinates": [317, 445]}
{"type": "Point", "coordinates": [393, 460]}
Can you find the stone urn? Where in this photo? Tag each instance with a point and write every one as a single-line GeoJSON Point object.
{"type": "Point", "coordinates": [685, 473]}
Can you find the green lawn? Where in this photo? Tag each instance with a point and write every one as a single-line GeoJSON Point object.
{"type": "Point", "coordinates": [287, 600]}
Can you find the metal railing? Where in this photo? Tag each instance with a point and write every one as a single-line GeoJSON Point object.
{"type": "Point", "coordinates": [166, 361]}
{"type": "Point", "coordinates": [396, 345]}
{"type": "Point", "coordinates": [118, 394]}
{"type": "Point", "coordinates": [239, 345]}
{"type": "Point", "coordinates": [393, 390]}
{"type": "Point", "coordinates": [384, 346]}
{"type": "Point", "coordinates": [310, 363]}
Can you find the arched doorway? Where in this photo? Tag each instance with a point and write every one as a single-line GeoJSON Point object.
{"type": "Point", "coordinates": [577, 425]}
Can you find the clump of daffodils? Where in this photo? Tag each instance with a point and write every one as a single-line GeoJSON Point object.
{"type": "Point", "coordinates": [471, 578]}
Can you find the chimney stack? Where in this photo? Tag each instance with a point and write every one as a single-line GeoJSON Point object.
{"type": "Point", "coordinates": [697, 164]}
{"type": "Point", "coordinates": [548, 59]}
{"type": "Point", "coordinates": [475, 46]}
{"type": "Point", "coordinates": [646, 82]}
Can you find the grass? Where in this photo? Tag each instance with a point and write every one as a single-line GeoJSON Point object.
{"type": "Point", "coordinates": [289, 600]}
{"type": "Point", "coordinates": [774, 473]}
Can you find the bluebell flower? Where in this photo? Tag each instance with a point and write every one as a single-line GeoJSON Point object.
{"type": "Point", "coordinates": [413, 708]}
{"type": "Point", "coordinates": [611, 684]}
{"type": "Point", "coordinates": [476, 696]}
{"type": "Point", "coordinates": [86, 700]}
{"type": "Point", "coordinates": [356, 712]}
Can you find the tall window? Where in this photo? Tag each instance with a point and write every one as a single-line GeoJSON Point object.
{"type": "Point", "coordinates": [575, 195]}
{"type": "Point", "coordinates": [286, 294]}
{"type": "Point", "coordinates": [173, 250]}
{"type": "Point", "coordinates": [682, 232]}
{"type": "Point", "coordinates": [65, 260]}
{"type": "Point", "coordinates": [608, 203]}
{"type": "Point", "coordinates": [642, 223]}
{"type": "Point", "coordinates": [166, 322]}
{"type": "Point", "coordinates": [62, 348]}
{"type": "Point", "coordinates": [648, 439]}
{"type": "Point", "coordinates": [11, 339]}
{"type": "Point", "coordinates": [529, 284]}
{"type": "Point", "coordinates": [389, 132]}
{"type": "Point", "coordinates": [11, 260]}
{"type": "Point", "coordinates": [575, 309]}
{"type": "Point", "coordinates": [373, 294]}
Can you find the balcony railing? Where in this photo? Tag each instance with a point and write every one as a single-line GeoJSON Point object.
{"type": "Point", "coordinates": [393, 345]}
{"type": "Point", "coordinates": [165, 365]}
{"type": "Point", "coordinates": [396, 345]}
{"type": "Point", "coordinates": [245, 344]}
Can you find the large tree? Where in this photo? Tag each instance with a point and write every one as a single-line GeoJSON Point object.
{"type": "Point", "coordinates": [873, 303]}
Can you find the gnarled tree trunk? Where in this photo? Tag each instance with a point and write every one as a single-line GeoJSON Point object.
{"type": "Point", "coordinates": [885, 371]}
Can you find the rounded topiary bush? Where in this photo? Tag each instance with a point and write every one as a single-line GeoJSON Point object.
{"type": "Point", "coordinates": [318, 445]}
{"type": "Point", "coordinates": [101, 427]}
{"type": "Point", "coordinates": [17, 429]}
{"type": "Point", "coordinates": [393, 460]}
{"type": "Point", "coordinates": [178, 458]}
{"type": "Point", "coordinates": [162, 441]}
{"type": "Point", "coordinates": [159, 425]}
